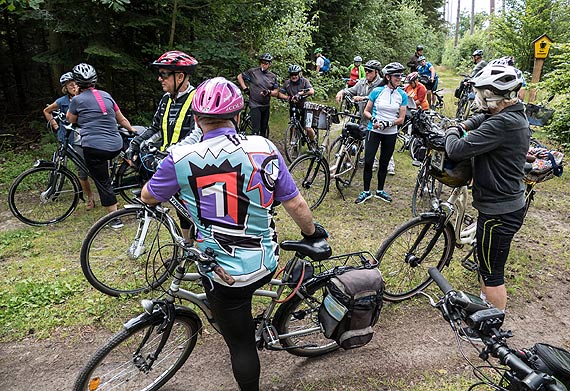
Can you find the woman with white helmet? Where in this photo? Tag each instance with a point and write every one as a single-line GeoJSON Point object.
{"type": "Point", "coordinates": [497, 141]}
{"type": "Point", "coordinates": [355, 71]}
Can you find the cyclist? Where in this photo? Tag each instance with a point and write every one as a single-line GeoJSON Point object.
{"type": "Point", "coordinates": [69, 89]}
{"type": "Point", "coordinates": [173, 121]}
{"type": "Point", "coordinates": [97, 115]}
{"type": "Point", "coordinates": [229, 184]}
{"type": "Point", "coordinates": [509, 60]}
{"type": "Point", "coordinates": [498, 142]}
{"type": "Point", "coordinates": [355, 71]}
{"type": "Point", "coordinates": [293, 89]}
{"type": "Point", "coordinates": [416, 90]}
{"type": "Point", "coordinates": [427, 73]}
{"type": "Point", "coordinates": [386, 108]}
{"type": "Point", "coordinates": [413, 61]}
{"type": "Point", "coordinates": [360, 91]}
{"type": "Point", "coordinates": [262, 86]}
{"type": "Point", "coordinates": [478, 61]}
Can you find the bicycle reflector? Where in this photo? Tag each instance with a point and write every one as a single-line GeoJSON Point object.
{"type": "Point", "coordinates": [94, 383]}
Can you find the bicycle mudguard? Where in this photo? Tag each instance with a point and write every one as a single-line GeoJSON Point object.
{"type": "Point", "coordinates": [158, 316]}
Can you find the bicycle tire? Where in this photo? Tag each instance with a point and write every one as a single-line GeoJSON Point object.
{"type": "Point", "coordinates": [112, 365]}
{"type": "Point", "coordinates": [127, 180]}
{"type": "Point", "coordinates": [415, 146]}
{"type": "Point", "coordinates": [347, 166]}
{"type": "Point", "coordinates": [426, 188]}
{"type": "Point", "coordinates": [300, 313]}
{"type": "Point", "coordinates": [107, 258]}
{"type": "Point", "coordinates": [462, 108]}
{"type": "Point", "coordinates": [293, 142]}
{"type": "Point", "coordinates": [245, 125]}
{"type": "Point", "coordinates": [42, 196]}
{"type": "Point", "coordinates": [403, 278]}
{"type": "Point", "coordinates": [312, 175]}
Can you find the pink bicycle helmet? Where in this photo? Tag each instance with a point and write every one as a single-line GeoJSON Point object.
{"type": "Point", "coordinates": [411, 77]}
{"type": "Point", "coordinates": [218, 98]}
{"type": "Point", "coordinates": [176, 61]}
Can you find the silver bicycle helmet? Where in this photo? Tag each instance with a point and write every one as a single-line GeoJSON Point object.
{"type": "Point", "coordinates": [84, 75]}
{"type": "Point", "coordinates": [266, 57]}
{"type": "Point", "coordinates": [375, 65]}
{"type": "Point", "coordinates": [506, 60]}
{"type": "Point", "coordinates": [67, 76]}
{"type": "Point", "coordinates": [501, 79]}
{"type": "Point", "coordinates": [477, 53]}
{"type": "Point", "coordinates": [294, 68]}
{"type": "Point", "coordinates": [357, 59]}
{"type": "Point", "coordinates": [394, 68]}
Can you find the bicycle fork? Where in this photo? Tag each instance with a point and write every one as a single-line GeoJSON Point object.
{"type": "Point", "coordinates": [137, 248]}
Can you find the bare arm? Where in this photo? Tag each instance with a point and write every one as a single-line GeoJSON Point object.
{"type": "Point", "coordinates": [124, 122]}
{"type": "Point", "coordinates": [401, 117]}
{"type": "Point", "coordinates": [71, 118]}
{"type": "Point", "coordinates": [367, 113]}
{"type": "Point", "coordinates": [49, 117]}
{"type": "Point", "coordinates": [241, 82]}
{"type": "Point", "coordinates": [147, 198]}
{"type": "Point", "coordinates": [298, 209]}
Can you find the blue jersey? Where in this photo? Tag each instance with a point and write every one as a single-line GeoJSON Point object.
{"type": "Point", "coordinates": [424, 69]}
{"type": "Point", "coordinates": [229, 183]}
{"type": "Point", "coordinates": [386, 105]}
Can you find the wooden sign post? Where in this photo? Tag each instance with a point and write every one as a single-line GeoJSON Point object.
{"type": "Point", "coordinates": [541, 48]}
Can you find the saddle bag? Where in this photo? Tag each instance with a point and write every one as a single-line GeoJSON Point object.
{"type": "Point", "coordinates": [351, 306]}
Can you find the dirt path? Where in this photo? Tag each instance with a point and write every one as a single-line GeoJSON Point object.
{"type": "Point", "coordinates": [406, 344]}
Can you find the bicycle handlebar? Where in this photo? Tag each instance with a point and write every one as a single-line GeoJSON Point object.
{"type": "Point", "coordinates": [533, 380]}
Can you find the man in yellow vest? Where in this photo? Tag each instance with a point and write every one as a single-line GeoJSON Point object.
{"type": "Point", "coordinates": [173, 121]}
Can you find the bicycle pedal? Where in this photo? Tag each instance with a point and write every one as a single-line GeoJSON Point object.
{"type": "Point", "coordinates": [468, 220]}
{"type": "Point", "coordinates": [470, 265]}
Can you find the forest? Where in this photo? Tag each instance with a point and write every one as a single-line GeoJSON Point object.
{"type": "Point", "coordinates": [41, 39]}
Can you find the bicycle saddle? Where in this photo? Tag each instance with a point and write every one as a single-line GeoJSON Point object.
{"type": "Point", "coordinates": [317, 249]}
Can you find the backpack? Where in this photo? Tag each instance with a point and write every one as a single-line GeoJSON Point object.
{"type": "Point", "coordinates": [326, 65]}
{"type": "Point", "coordinates": [351, 306]}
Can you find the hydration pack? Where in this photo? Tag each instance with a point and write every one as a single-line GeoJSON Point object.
{"type": "Point", "coordinates": [326, 65]}
{"type": "Point", "coordinates": [351, 307]}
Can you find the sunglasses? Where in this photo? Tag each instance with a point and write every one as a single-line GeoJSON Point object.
{"type": "Point", "coordinates": [293, 74]}
{"type": "Point", "coordinates": [265, 62]}
{"type": "Point", "coordinates": [398, 75]}
{"type": "Point", "coordinates": [165, 74]}
{"type": "Point", "coordinates": [368, 70]}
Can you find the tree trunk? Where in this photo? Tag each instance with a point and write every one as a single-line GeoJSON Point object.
{"type": "Point", "coordinates": [492, 6]}
{"type": "Point", "coordinates": [173, 24]}
{"type": "Point", "coordinates": [472, 24]}
{"type": "Point", "coordinates": [457, 23]}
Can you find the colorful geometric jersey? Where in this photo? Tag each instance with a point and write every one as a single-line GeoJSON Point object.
{"type": "Point", "coordinates": [229, 183]}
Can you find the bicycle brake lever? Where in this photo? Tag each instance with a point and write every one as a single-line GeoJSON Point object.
{"type": "Point", "coordinates": [432, 302]}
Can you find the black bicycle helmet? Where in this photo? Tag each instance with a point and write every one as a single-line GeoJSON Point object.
{"type": "Point", "coordinates": [266, 57]}
{"type": "Point", "coordinates": [477, 53]}
{"type": "Point", "coordinates": [84, 75]}
{"type": "Point", "coordinates": [374, 65]}
{"type": "Point", "coordinates": [394, 68]}
{"type": "Point", "coordinates": [68, 76]}
{"type": "Point", "coordinates": [294, 69]}
{"type": "Point", "coordinates": [419, 47]}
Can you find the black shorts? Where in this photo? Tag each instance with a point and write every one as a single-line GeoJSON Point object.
{"type": "Point", "coordinates": [494, 236]}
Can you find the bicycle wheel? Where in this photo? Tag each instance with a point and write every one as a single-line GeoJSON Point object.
{"type": "Point", "coordinates": [347, 165]}
{"type": "Point", "coordinates": [462, 108]}
{"type": "Point", "coordinates": [312, 176]}
{"type": "Point", "coordinates": [293, 142]}
{"type": "Point", "coordinates": [245, 125]}
{"type": "Point", "coordinates": [122, 363]}
{"type": "Point", "coordinates": [417, 149]}
{"type": "Point", "coordinates": [43, 195]}
{"type": "Point", "coordinates": [402, 259]}
{"type": "Point", "coordinates": [127, 180]}
{"type": "Point", "coordinates": [128, 260]}
{"type": "Point", "coordinates": [297, 322]}
{"type": "Point", "coordinates": [426, 188]}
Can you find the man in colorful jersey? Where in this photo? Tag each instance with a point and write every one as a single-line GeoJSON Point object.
{"type": "Point", "coordinates": [229, 183]}
{"type": "Point", "coordinates": [262, 85]}
{"type": "Point", "coordinates": [173, 121]}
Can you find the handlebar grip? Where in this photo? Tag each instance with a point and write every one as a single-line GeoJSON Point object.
{"type": "Point", "coordinates": [223, 274]}
{"type": "Point", "coordinates": [440, 280]}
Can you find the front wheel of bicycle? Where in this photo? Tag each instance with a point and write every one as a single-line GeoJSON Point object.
{"type": "Point", "coordinates": [123, 362]}
{"type": "Point", "coordinates": [132, 259]}
{"type": "Point", "coordinates": [293, 142]}
{"type": "Point", "coordinates": [347, 165]}
{"type": "Point", "coordinates": [312, 176]}
{"type": "Point", "coordinates": [462, 109]}
{"type": "Point", "coordinates": [43, 195]}
{"type": "Point", "coordinates": [426, 189]}
{"type": "Point", "coordinates": [406, 255]}
{"type": "Point", "coordinates": [297, 322]}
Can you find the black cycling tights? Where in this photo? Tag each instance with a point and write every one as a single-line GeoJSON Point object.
{"type": "Point", "coordinates": [373, 141]}
{"type": "Point", "coordinates": [232, 310]}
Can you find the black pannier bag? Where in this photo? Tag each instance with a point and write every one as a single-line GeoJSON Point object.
{"type": "Point", "coordinates": [551, 360]}
{"type": "Point", "coordinates": [351, 307]}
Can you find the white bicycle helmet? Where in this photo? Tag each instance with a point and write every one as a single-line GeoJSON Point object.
{"type": "Point", "coordinates": [506, 60]}
{"type": "Point", "coordinates": [84, 75]}
{"type": "Point", "coordinates": [501, 79]}
{"type": "Point", "coordinates": [68, 76]}
{"type": "Point", "coordinates": [394, 68]}
{"type": "Point", "coordinates": [357, 59]}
